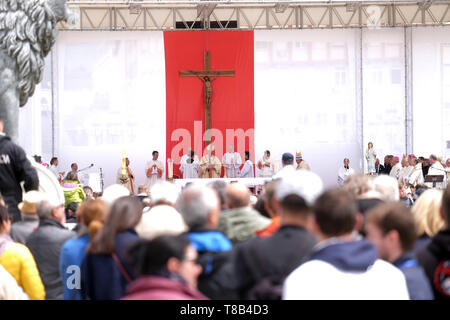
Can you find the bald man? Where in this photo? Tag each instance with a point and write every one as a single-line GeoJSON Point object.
{"type": "Point", "coordinates": [240, 221]}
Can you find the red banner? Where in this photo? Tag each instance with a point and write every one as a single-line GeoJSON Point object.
{"type": "Point", "coordinates": [232, 112]}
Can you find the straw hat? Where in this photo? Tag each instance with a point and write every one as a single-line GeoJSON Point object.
{"type": "Point", "coordinates": [28, 205]}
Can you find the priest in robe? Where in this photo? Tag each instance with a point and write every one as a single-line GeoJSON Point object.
{"type": "Point", "coordinates": [190, 165]}
{"type": "Point", "coordinates": [210, 164]}
{"type": "Point", "coordinates": [436, 169]}
{"type": "Point", "coordinates": [344, 172]}
{"type": "Point", "coordinates": [232, 161]}
{"type": "Point", "coordinates": [247, 169]}
{"type": "Point", "coordinates": [154, 170]}
{"type": "Point", "coordinates": [266, 165]}
{"type": "Point", "coordinates": [127, 179]}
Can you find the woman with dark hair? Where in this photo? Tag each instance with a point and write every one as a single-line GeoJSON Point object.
{"type": "Point", "coordinates": [106, 269]}
{"type": "Point", "coordinates": [167, 270]}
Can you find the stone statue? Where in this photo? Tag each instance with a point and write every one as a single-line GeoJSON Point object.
{"type": "Point", "coordinates": [27, 34]}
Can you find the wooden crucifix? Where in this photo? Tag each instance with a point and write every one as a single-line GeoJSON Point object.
{"type": "Point", "coordinates": [205, 75]}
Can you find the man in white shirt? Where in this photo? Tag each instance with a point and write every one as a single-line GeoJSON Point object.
{"type": "Point", "coordinates": [287, 161]}
{"type": "Point", "coordinates": [266, 165]}
{"type": "Point", "coordinates": [154, 170]}
{"type": "Point", "coordinates": [190, 165]}
{"type": "Point", "coordinates": [54, 168]}
{"type": "Point", "coordinates": [396, 167]}
{"type": "Point", "coordinates": [342, 267]}
{"type": "Point", "coordinates": [247, 169]}
{"type": "Point", "coordinates": [345, 171]}
{"type": "Point", "coordinates": [232, 162]}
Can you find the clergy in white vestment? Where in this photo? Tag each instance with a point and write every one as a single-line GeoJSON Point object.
{"type": "Point", "coordinates": [210, 164]}
{"type": "Point", "coordinates": [232, 162]}
{"type": "Point", "coordinates": [416, 176]}
{"type": "Point", "coordinates": [409, 169]}
{"type": "Point", "coordinates": [436, 169]}
{"type": "Point", "coordinates": [266, 165]}
{"type": "Point", "coordinates": [190, 165]}
{"type": "Point", "coordinates": [396, 168]}
{"type": "Point", "coordinates": [345, 171]}
{"type": "Point", "coordinates": [247, 169]}
{"type": "Point", "coordinates": [154, 170]}
{"type": "Point", "coordinates": [301, 163]}
{"type": "Point", "coordinates": [403, 170]}
{"type": "Point", "coordinates": [125, 177]}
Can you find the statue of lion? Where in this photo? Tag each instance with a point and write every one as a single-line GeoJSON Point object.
{"type": "Point", "coordinates": [27, 34]}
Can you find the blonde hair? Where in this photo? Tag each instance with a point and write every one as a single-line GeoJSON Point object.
{"type": "Point", "coordinates": [426, 211]}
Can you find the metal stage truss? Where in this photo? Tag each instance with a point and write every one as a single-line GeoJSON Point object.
{"type": "Point", "coordinates": [253, 15]}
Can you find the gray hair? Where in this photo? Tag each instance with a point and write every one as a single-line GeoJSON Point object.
{"type": "Point", "coordinates": [44, 209]}
{"type": "Point", "coordinates": [195, 204]}
{"type": "Point", "coordinates": [388, 187]}
{"type": "Point", "coordinates": [164, 192]}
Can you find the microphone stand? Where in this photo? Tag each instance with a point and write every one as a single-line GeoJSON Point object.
{"type": "Point", "coordinates": [88, 167]}
{"type": "Point", "coordinates": [101, 179]}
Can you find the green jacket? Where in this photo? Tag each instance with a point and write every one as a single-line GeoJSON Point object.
{"type": "Point", "coordinates": [240, 224]}
{"type": "Point", "coordinates": [73, 192]}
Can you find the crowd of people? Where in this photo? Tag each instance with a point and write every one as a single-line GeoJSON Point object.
{"type": "Point", "coordinates": [298, 241]}
{"type": "Point", "coordinates": [375, 236]}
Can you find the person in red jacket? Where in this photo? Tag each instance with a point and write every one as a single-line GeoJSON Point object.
{"type": "Point", "coordinates": [167, 270]}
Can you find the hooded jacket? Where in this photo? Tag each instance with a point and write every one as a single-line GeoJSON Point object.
{"type": "Point", "coordinates": [215, 256]}
{"type": "Point", "coordinates": [345, 270]}
{"type": "Point", "coordinates": [240, 224]}
{"type": "Point", "coordinates": [73, 192]}
{"type": "Point", "coordinates": [435, 259]}
{"type": "Point", "coordinates": [19, 262]}
{"type": "Point", "coordinates": [15, 168]}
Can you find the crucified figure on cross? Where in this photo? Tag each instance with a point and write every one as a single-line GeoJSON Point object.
{"type": "Point", "coordinates": [205, 75]}
{"type": "Point", "coordinates": [208, 90]}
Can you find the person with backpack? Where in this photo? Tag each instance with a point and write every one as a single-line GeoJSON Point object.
{"type": "Point", "coordinates": [261, 264]}
{"type": "Point", "coordinates": [200, 208]}
{"type": "Point", "coordinates": [435, 257]}
{"type": "Point", "coordinates": [392, 229]}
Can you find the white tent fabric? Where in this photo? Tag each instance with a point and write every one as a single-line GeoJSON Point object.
{"type": "Point", "coordinates": [105, 91]}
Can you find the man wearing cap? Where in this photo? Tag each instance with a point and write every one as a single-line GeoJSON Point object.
{"type": "Point", "coordinates": [14, 169]}
{"type": "Point", "coordinates": [396, 167]}
{"type": "Point", "coordinates": [287, 161]}
{"type": "Point", "coordinates": [301, 164]}
{"type": "Point", "coordinates": [22, 229]}
{"type": "Point", "coordinates": [210, 164]}
{"type": "Point", "coordinates": [260, 259]}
